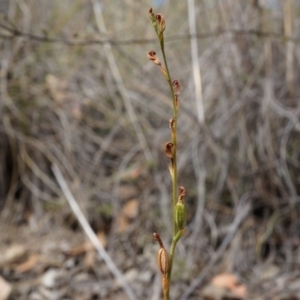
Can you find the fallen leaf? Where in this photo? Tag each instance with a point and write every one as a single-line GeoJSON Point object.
{"type": "Point", "coordinates": [230, 282]}
{"type": "Point", "coordinates": [27, 265]}
{"type": "Point", "coordinates": [240, 291]}
{"type": "Point", "coordinates": [102, 238]}
{"type": "Point", "coordinates": [123, 224]}
{"type": "Point", "coordinates": [126, 192]}
{"type": "Point", "coordinates": [225, 280]}
{"type": "Point", "coordinates": [77, 250]}
{"type": "Point", "coordinates": [90, 257]}
{"type": "Point", "coordinates": [130, 209]}
{"type": "Point", "coordinates": [127, 214]}
{"type": "Point", "coordinates": [5, 289]}
{"type": "Point", "coordinates": [211, 292]}
{"type": "Point", "coordinates": [12, 255]}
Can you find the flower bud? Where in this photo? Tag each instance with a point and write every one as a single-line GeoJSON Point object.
{"type": "Point", "coordinates": [176, 87]}
{"type": "Point", "coordinates": [152, 57]}
{"type": "Point", "coordinates": [160, 22]}
{"type": "Point", "coordinates": [169, 149]}
{"type": "Point", "coordinates": [181, 193]}
{"type": "Point", "coordinates": [172, 123]}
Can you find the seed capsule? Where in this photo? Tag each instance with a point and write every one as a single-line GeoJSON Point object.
{"type": "Point", "coordinates": [180, 215]}
{"type": "Point", "coordinates": [163, 260]}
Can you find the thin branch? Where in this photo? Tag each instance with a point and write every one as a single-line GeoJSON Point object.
{"type": "Point", "coordinates": [90, 233]}
{"type": "Point", "coordinates": [288, 28]}
{"type": "Point", "coordinates": [196, 63]}
{"type": "Point", "coordinates": [14, 32]}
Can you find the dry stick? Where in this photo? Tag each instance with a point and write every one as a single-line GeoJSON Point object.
{"type": "Point", "coordinates": [90, 233]}
{"type": "Point", "coordinates": [200, 173]}
{"type": "Point", "coordinates": [268, 97]}
{"type": "Point", "coordinates": [289, 76]}
{"type": "Point", "coordinates": [37, 171]}
{"type": "Point", "coordinates": [14, 32]}
{"type": "Point", "coordinates": [268, 53]}
{"type": "Point", "coordinates": [241, 213]}
{"type": "Point", "coordinates": [283, 167]}
{"type": "Point", "coordinates": [196, 63]}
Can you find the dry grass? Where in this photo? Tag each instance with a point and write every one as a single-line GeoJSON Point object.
{"type": "Point", "coordinates": [62, 104]}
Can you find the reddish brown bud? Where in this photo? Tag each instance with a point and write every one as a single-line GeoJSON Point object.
{"type": "Point", "coordinates": [151, 54]}
{"type": "Point", "coordinates": [169, 149]}
{"type": "Point", "coordinates": [176, 86]}
{"type": "Point", "coordinates": [181, 193]}
{"type": "Point", "coordinates": [161, 22]}
{"type": "Point", "coordinates": [172, 123]}
{"type": "Point", "coordinates": [152, 18]}
{"type": "Point", "coordinates": [152, 57]}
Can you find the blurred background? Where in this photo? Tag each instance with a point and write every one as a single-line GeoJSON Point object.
{"type": "Point", "coordinates": [78, 92]}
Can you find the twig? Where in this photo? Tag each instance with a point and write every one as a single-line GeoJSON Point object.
{"type": "Point", "coordinates": [196, 63]}
{"type": "Point", "coordinates": [15, 32]}
{"type": "Point", "coordinates": [90, 233]}
{"type": "Point", "coordinates": [288, 28]}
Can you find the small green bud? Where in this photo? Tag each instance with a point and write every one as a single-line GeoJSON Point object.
{"type": "Point", "coordinates": [180, 215]}
{"type": "Point", "coordinates": [153, 19]}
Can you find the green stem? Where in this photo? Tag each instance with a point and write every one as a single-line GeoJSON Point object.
{"type": "Point", "coordinates": [176, 235]}
{"type": "Point", "coordinates": [172, 252]}
{"type": "Point", "coordinates": [174, 136]}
